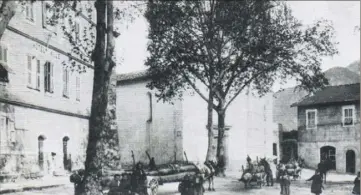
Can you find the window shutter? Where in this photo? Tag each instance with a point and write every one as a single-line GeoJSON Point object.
{"type": "Point", "coordinates": [64, 81]}
{"type": "Point", "coordinates": [44, 14]}
{"type": "Point", "coordinates": [31, 6]}
{"type": "Point", "coordinates": [5, 55]}
{"type": "Point", "coordinates": [46, 78]}
{"type": "Point", "coordinates": [27, 10]}
{"type": "Point", "coordinates": [51, 77]}
{"type": "Point", "coordinates": [38, 74]}
{"type": "Point", "coordinates": [29, 70]}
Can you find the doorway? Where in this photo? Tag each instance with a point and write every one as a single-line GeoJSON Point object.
{"type": "Point", "coordinates": [350, 161]}
{"type": "Point", "coordinates": [329, 152]}
{"type": "Point", "coordinates": [41, 152]}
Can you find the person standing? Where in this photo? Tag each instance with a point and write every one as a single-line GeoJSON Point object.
{"type": "Point", "coordinates": [356, 187]}
{"type": "Point", "coordinates": [316, 186]}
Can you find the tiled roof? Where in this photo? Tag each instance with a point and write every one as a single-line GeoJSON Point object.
{"type": "Point", "coordinates": [332, 94]}
{"type": "Point", "coordinates": [138, 75]}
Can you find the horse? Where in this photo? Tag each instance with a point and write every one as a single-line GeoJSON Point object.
{"type": "Point", "coordinates": [324, 166]}
{"type": "Point", "coordinates": [208, 170]}
{"type": "Point", "coordinates": [268, 170]}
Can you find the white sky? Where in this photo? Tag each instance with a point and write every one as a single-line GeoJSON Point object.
{"type": "Point", "coordinates": [345, 15]}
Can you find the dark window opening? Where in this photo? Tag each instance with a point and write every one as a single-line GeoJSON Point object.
{"type": "Point", "coordinates": [4, 75]}
{"type": "Point", "coordinates": [274, 149]}
{"type": "Point", "coordinates": [66, 155]}
{"type": "Point", "coordinates": [350, 161]}
{"type": "Point", "coordinates": [41, 152]}
{"type": "Point", "coordinates": [150, 108]}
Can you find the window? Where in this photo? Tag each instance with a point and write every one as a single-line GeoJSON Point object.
{"type": "Point", "coordinates": [47, 14]}
{"type": "Point", "coordinates": [3, 54]}
{"type": "Point", "coordinates": [150, 108]}
{"type": "Point", "coordinates": [33, 72]}
{"type": "Point", "coordinates": [48, 77]}
{"type": "Point", "coordinates": [77, 85]}
{"type": "Point", "coordinates": [65, 82]}
{"type": "Point", "coordinates": [3, 130]}
{"type": "Point", "coordinates": [348, 115]}
{"type": "Point", "coordinates": [4, 73]}
{"type": "Point", "coordinates": [29, 11]}
{"type": "Point", "coordinates": [274, 149]}
{"type": "Point", "coordinates": [11, 132]}
{"type": "Point", "coordinates": [311, 119]}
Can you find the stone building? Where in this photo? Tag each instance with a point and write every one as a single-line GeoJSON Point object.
{"type": "Point", "coordinates": [44, 107]}
{"type": "Point", "coordinates": [329, 126]}
{"type": "Point", "coordinates": [146, 125]}
{"type": "Point", "coordinates": [249, 119]}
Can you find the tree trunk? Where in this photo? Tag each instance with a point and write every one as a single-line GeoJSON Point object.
{"type": "Point", "coordinates": [7, 11]}
{"type": "Point", "coordinates": [210, 151]}
{"type": "Point", "coordinates": [221, 153]}
{"type": "Point", "coordinates": [102, 139]}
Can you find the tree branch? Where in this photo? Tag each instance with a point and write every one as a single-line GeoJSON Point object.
{"type": "Point", "coordinates": [197, 90]}
{"type": "Point", "coordinates": [247, 83]}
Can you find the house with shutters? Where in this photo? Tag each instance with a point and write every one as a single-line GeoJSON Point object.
{"type": "Point", "coordinates": [44, 106]}
{"type": "Point", "coordinates": [329, 127]}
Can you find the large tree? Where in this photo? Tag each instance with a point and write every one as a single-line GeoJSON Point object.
{"type": "Point", "coordinates": [226, 47]}
{"type": "Point", "coordinates": [96, 46]}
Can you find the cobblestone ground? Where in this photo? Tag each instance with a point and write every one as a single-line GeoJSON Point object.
{"type": "Point", "coordinates": [224, 186]}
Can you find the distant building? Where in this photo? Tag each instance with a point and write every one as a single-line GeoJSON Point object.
{"type": "Point", "coordinates": [329, 126]}
{"type": "Point", "coordinates": [169, 130]}
{"type": "Point", "coordinates": [44, 107]}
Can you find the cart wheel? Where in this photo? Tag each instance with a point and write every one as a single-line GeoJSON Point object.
{"type": "Point", "coordinates": [180, 187]}
{"type": "Point", "coordinates": [153, 187]}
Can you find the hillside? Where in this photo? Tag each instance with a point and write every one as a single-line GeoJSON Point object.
{"type": "Point", "coordinates": [355, 67]}
{"type": "Point", "coordinates": [341, 76]}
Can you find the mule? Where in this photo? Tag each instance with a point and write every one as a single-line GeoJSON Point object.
{"type": "Point", "coordinates": [208, 170]}
{"type": "Point", "coordinates": [267, 170]}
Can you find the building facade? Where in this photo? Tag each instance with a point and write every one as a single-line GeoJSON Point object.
{"type": "Point", "coordinates": [251, 132]}
{"type": "Point", "coordinates": [329, 126]}
{"type": "Point", "coordinates": [146, 125]}
{"type": "Point", "coordinates": [44, 106]}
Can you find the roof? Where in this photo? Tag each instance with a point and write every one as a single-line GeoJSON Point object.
{"type": "Point", "coordinates": [332, 94]}
{"type": "Point", "coordinates": [133, 76]}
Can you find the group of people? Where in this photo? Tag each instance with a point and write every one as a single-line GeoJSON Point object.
{"type": "Point", "coordinates": [136, 184]}
{"type": "Point", "coordinates": [316, 185]}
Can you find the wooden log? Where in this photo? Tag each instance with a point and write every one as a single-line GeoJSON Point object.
{"type": "Point", "coordinates": [173, 169]}
{"type": "Point", "coordinates": [174, 177]}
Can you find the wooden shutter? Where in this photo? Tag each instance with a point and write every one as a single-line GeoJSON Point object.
{"type": "Point", "coordinates": [29, 70]}
{"type": "Point", "coordinates": [38, 74]}
{"type": "Point", "coordinates": [44, 14]}
{"type": "Point", "coordinates": [51, 77]}
{"type": "Point", "coordinates": [46, 77]}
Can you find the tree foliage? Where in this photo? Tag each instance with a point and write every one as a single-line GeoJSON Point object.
{"type": "Point", "coordinates": [228, 46]}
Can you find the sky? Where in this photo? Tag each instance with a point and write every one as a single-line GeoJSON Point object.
{"type": "Point", "coordinates": [345, 15]}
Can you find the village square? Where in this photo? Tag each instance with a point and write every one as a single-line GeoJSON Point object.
{"type": "Point", "coordinates": [179, 97]}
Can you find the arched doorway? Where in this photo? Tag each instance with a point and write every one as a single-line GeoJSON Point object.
{"type": "Point", "coordinates": [66, 155]}
{"type": "Point", "coordinates": [329, 152]}
{"type": "Point", "coordinates": [350, 161]}
{"type": "Point", "coordinates": [41, 139]}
